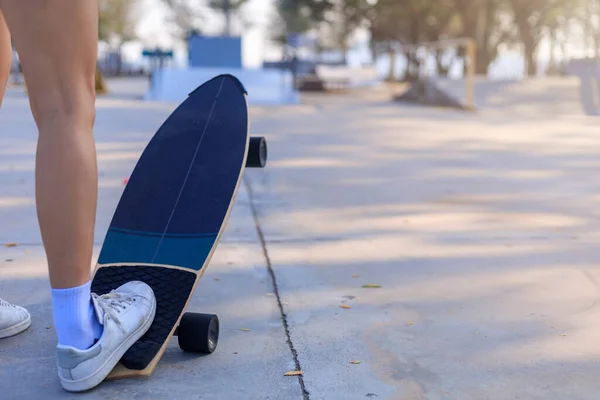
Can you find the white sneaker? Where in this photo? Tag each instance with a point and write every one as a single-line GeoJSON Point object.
{"type": "Point", "coordinates": [13, 319]}
{"type": "Point", "coordinates": [126, 314]}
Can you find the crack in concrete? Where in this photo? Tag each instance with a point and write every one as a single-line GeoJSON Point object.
{"type": "Point", "coordinates": [305, 394]}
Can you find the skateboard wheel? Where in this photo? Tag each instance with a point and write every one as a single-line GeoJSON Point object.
{"type": "Point", "coordinates": [257, 152]}
{"type": "Point", "coordinates": [198, 333]}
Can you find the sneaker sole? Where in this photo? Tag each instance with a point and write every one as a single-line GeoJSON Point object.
{"type": "Point", "coordinates": [101, 373]}
{"type": "Point", "coordinates": [16, 329]}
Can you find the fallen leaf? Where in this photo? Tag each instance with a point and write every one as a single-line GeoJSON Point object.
{"type": "Point", "coordinates": [293, 373]}
{"type": "Point", "coordinates": [564, 334]}
{"type": "Point", "coordinates": [10, 245]}
{"type": "Point", "coordinates": [411, 323]}
{"type": "Point", "coordinates": [371, 286]}
{"type": "Point", "coordinates": [235, 352]}
{"type": "Point", "coordinates": [245, 329]}
{"type": "Point", "coordinates": [217, 279]}
{"type": "Point", "coordinates": [345, 306]}
{"type": "Point", "coordinates": [355, 362]}
{"type": "Point", "coordinates": [356, 276]}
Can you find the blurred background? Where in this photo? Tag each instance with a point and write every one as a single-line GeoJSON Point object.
{"type": "Point", "coordinates": [514, 38]}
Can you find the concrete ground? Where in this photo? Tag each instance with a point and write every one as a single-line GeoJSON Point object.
{"type": "Point", "coordinates": [479, 231]}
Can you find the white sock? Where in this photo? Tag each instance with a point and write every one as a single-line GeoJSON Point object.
{"type": "Point", "coordinates": [74, 317]}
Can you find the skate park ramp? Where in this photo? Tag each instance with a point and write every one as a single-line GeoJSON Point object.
{"type": "Point", "coordinates": [564, 95]}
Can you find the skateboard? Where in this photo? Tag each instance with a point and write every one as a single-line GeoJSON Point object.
{"type": "Point", "coordinates": [172, 213]}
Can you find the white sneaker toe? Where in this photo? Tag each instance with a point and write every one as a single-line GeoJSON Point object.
{"type": "Point", "coordinates": [13, 319]}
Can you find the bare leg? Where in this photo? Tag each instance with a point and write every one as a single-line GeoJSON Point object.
{"type": "Point", "coordinates": [13, 319]}
{"type": "Point", "coordinates": [57, 44]}
{"type": "Point", "coordinates": [5, 56]}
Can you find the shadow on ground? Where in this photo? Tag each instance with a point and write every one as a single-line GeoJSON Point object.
{"type": "Point", "coordinates": [481, 229]}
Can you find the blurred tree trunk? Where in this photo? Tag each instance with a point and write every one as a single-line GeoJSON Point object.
{"type": "Point", "coordinates": [529, 51]}
{"type": "Point", "coordinates": [532, 19]}
{"type": "Point", "coordinates": [553, 66]}
{"type": "Point", "coordinates": [479, 21]}
{"type": "Point", "coordinates": [392, 72]}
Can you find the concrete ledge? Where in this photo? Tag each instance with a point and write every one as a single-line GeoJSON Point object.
{"type": "Point", "coordinates": [265, 87]}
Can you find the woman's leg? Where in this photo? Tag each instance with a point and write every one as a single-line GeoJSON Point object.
{"type": "Point", "coordinates": [5, 56]}
{"type": "Point", "coordinates": [57, 43]}
{"type": "Point", "coordinates": [13, 319]}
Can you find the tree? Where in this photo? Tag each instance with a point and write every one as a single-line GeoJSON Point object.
{"type": "Point", "coordinates": [117, 22]}
{"type": "Point", "coordinates": [558, 26]}
{"type": "Point", "coordinates": [531, 18]}
{"type": "Point", "coordinates": [403, 22]}
{"type": "Point", "coordinates": [187, 15]}
{"type": "Point", "coordinates": [397, 23]}
{"type": "Point", "coordinates": [184, 17]}
{"type": "Point", "coordinates": [589, 14]}
{"type": "Point", "coordinates": [227, 7]}
{"type": "Point", "coordinates": [298, 16]}
{"type": "Point", "coordinates": [342, 20]}
{"type": "Point", "coordinates": [482, 20]}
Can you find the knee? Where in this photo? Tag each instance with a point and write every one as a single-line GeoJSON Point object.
{"type": "Point", "coordinates": [69, 107]}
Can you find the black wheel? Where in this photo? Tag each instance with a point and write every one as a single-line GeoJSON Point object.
{"type": "Point", "coordinates": [198, 333]}
{"type": "Point", "coordinates": [257, 152]}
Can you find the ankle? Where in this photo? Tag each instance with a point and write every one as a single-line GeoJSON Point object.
{"type": "Point", "coordinates": [75, 320]}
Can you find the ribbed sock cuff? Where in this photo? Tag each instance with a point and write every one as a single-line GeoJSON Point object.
{"type": "Point", "coordinates": [74, 316]}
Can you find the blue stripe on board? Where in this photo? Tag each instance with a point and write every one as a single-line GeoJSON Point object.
{"type": "Point", "coordinates": [183, 251]}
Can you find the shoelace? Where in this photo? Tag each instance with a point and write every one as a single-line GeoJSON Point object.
{"type": "Point", "coordinates": [6, 304]}
{"type": "Point", "coordinates": [112, 303]}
